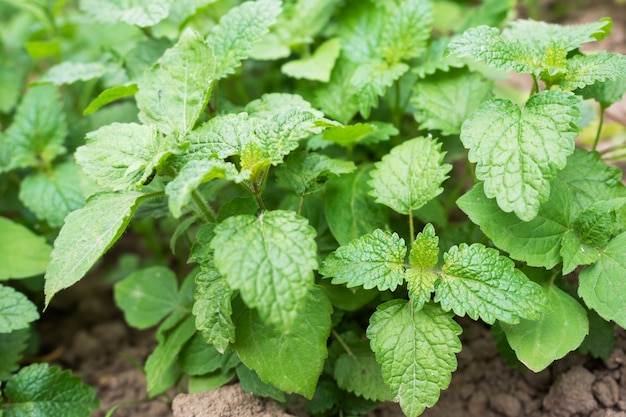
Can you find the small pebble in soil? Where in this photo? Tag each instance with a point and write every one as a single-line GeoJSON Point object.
{"type": "Point", "coordinates": [571, 394]}
{"type": "Point", "coordinates": [606, 391]}
{"type": "Point", "coordinates": [506, 404]}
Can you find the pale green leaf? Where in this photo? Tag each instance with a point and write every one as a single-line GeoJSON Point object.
{"type": "Point", "coordinates": [480, 282]}
{"type": "Point", "coordinates": [40, 390]}
{"type": "Point", "coordinates": [54, 194]}
{"type": "Point", "coordinates": [421, 285]}
{"type": "Point", "coordinates": [223, 136]}
{"type": "Point", "coordinates": [338, 98]}
{"type": "Point", "coordinates": [603, 284]}
{"type": "Point", "coordinates": [605, 93]}
{"type": "Point", "coordinates": [239, 29]}
{"type": "Point", "coordinates": [70, 72]}
{"type": "Point", "coordinates": [373, 260]}
{"type": "Point", "coordinates": [174, 92]}
{"type": "Point", "coordinates": [527, 46]}
{"type": "Point", "coordinates": [121, 156]}
{"type": "Point", "coordinates": [318, 66]}
{"type": "Point", "coordinates": [583, 70]}
{"type": "Point", "coordinates": [410, 175]}
{"type": "Point", "coordinates": [416, 351]}
{"type": "Point", "coordinates": [278, 357]}
{"type": "Point", "coordinates": [12, 346]}
{"type": "Point", "coordinates": [161, 366]}
{"type": "Point", "coordinates": [23, 254]}
{"type": "Point", "coordinates": [406, 30]}
{"type": "Point", "coordinates": [134, 12]}
{"type": "Point", "coordinates": [272, 104]}
{"type": "Point", "coordinates": [37, 132]}
{"type": "Point", "coordinates": [575, 252]}
{"type": "Point", "coordinates": [110, 95]}
{"type": "Point", "coordinates": [270, 259]}
{"type": "Point", "coordinates": [371, 80]}
{"type": "Point", "coordinates": [16, 310]}
{"type": "Point", "coordinates": [560, 329]}
{"type": "Point", "coordinates": [361, 133]}
{"type": "Point", "coordinates": [425, 251]}
{"type": "Point", "coordinates": [146, 296]}
{"type": "Point", "coordinates": [307, 173]}
{"type": "Point", "coordinates": [86, 235]}
{"type": "Point", "coordinates": [192, 175]}
{"type": "Point", "coordinates": [595, 224]}
{"type": "Point", "coordinates": [357, 371]}
{"type": "Point", "coordinates": [445, 100]}
{"type": "Point", "coordinates": [518, 151]}
{"type": "Point", "coordinates": [213, 309]}
{"type": "Point", "coordinates": [350, 211]}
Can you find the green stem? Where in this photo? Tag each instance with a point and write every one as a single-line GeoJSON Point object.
{"type": "Point", "coordinates": [342, 343]}
{"type": "Point", "coordinates": [599, 132]}
{"type": "Point", "coordinates": [207, 213]}
{"type": "Point", "coordinates": [411, 230]}
{"type": "Point", "coordinates": [535, 88]}
{"type": "Point", "coordinates": [300, 204]}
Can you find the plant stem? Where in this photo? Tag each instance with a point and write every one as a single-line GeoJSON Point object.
{"type": "Point", "coordinates": [342, 343]}
{"type": "Point", "coordinates": [535, 88]}
{"type": "Point", "coordinates": [208, 215]}
{"type": "Point", "coordinates": [600, 124]}
{"type": "Point", "coordinates": [300, 204]}
{"type": "Point", "coordinates": [411, 230]}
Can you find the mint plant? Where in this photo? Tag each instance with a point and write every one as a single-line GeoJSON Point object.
{"type": "Point", "coordinates": [342, 189]}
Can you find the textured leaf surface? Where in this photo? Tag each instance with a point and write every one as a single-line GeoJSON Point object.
{"type": "Point", "coordinates": [270, 260]}
{"type": "Point", "coordinates": [238, 30]}
{"type": "Point", "coordinates": [518, 151]}
{"type": "Point", "coordinates": [480, 282]}
{"type": "Point", "coordinates": [174, 92]}
{"type": "Point", "coordinates": [603, 284]}
{"type": "Point", "coordinates": [358, 372]}
{"type": "Point", "coordinates": [424, 255]}
{"type": "Point", "coordinates": [561, 328]}
{"type": "Point", "coordinates": [444, 101]}
{"type": "Point", "coordinates": [12, 346]}
{"type": "Point", "coordinates": [361, 133]}
{"type": "Point", "coordinates": [277, 357]}
{"type": "Point", "coordinates": [223, 136]}
{"type": "Point", "coordinates": [605, 93]}
{"type": "Point", "coordinates": [213, 309]}
{"type": "Point", "coordinates": [161, 366]}
{"type": "Point", "coordinates": [373, 260]}
{"type": "Point", "coordinates": [410, 175]}
{"type": "Point", "coordinates": [23, 254]}
{"type": "Point", "coordinates": [134, 12]}
{"type": "Point", "coordinates": [121, 156]}
{"type": "Point", "coordinates": [583, 70]}
{"type": "Point", "coordinates": [416, 352]}
{"type": "Point", "coordinates": [85, 236]}
{"type": "Point", "coordinates": [110, 95]}
{"type": "Point", "coordinates": [16, 310]}
{"type": "Point", "coordinates": [70, 72]}
{"type": "Point", "coordinates": [147, 296]}
{"type": "Point", "coordinates": [40, 390]}
{"type": "Point", "coordinates": [191, 176]}
{"type": "Point", "coordinates": [318, 66]}
{"type": "Point", "coordinates": [406, 30]}
{"type": "Point", "coordinates": [37, 132]}
{"type": "Point", "coordinates": [307, 173]}
{"type": "Point", "coordinates": [53, 195]}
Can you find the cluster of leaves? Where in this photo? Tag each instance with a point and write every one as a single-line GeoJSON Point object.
{"type": "Point", "coordinates": [296, 162]}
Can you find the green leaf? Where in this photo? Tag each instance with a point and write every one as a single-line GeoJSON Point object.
{"type": "Point", "coordinates": [213, 309]}
{"type": "Point", "coordinates": [238, 30]}
{"type": "Point", "coordinates": [147, 296]}
{"type": "Point", "coordinates": [110, 95]}
{"type": "Point", "coordinates": [277, 357]}
{"type": "Point", "coordinates": [12, 346]}
{"type": "Point", "coordinates": [373, 260]}
{"type": "Point", "coordinates": [410, 175]}
{"type": "Point", "coordinates": [603, 284]}
{"type": "Point", "coordinates": [595, 224]}
{"type": "Point", "coordinates": [338, 98]}
{"type": "Point", "coordinates": [38, 130]}
{"type": "Point", "coordinates": [70, 72]}
{"type": "Point", "coordinates": [307, 173]}
{"type": "Point", "coordinates": [41, 390]}
{"type": "Point", "coordinates": [518, 151]}
{"type": "Point", "coordinates": [605, 93]}
{"type": "Point", "coordinates": [318, 66]}
{"type": "Point", "coordinates": [270, 259]}
{"type": "Point", "coordinates": [87, 234]}
{"type": "Point", "coordinates": [161, 366]}
{"type": "Point", "coordinates": [250, 382]}
{"type": "Point", "coordinates": [223, 136]}
{"type": "Point", "coordinates": [359, 133]}
{"type": "Point", "coordinates": [424, 255]}
{"type": "Point", "coordinates": [600, 341]}
{"type": "Point", "coordinates": [575, 252]}
{"type": "Point", "coordinates": [560, 329]}
{"type": "Point", "coordinates": [210, 381]}
{"type": "Point", "coordinates": [371, 80]}
{"type": "Point", "coordinates": [480, 282]}
{"type": "Point", "coordinates": [133, 12]}
{"type": "Point", "coordinates": [357, 371]}
{"type": "Point", "coordinates": [406, 30]}
{"type": "Point", "coordinates": [121, 156]}
{"type": "Point", "coordinates": [192, 175]}
{"type": "Point", "coordinates": [436, 58]}
{"type": "Point", "coordinates": [445, 100]}
{"type": "Point", "coordinates": [53, 195]}
{"type": "Point", "coordinates": [174, 92]}
{"type": "Point", "coordinates": [350, 211]}
{"type": "Point", "coordinates": [198, 357]}
{"type": "Point", "coordinates": [16, 310]}
{"type": "Point", "coordinates": [23, 254]}
{"type": "Point", "coordinates": [416, 351]}
{"type": "Point", "coordinates": [583, 70]}
{"type": "Point", "coordinates": [527, 46]}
